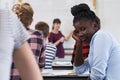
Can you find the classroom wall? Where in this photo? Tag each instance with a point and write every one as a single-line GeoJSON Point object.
{"type": "Point", "coordinates": [47, 10]}
{"type": "Point", "coordinates": [107, 10]}
{"type": "Point", "coordinates": [109, 13]}
{"type": "Point", "coordinates": [6, 3]}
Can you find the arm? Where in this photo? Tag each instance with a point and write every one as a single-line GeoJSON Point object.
{"type": "Point", "coordinates": [81, 66]}
{"type": "Point", "coordinates": [62, 39]}
{"type": "Point", "coordinates": [68, 37]}
{"type": "Point", "coordinates": [59, 41]}
{"type": "Point", "coordinates": [73, 54]}
{"type": "Point", "coordinates": [37, 44]}
{"type": "Point", "coordinates": [74, 50]}
{"type": "Point", "coordinates": [26, 63]}
{"type": "Point", "coordinates": [78, 55]}
{"type": "Point", "coordinates": [42, 59]}
{"type": "Point", "coordinates": [100, 56]}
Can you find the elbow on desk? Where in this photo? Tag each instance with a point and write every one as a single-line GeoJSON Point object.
{"type": "Point", "coordinates": [78, 70]}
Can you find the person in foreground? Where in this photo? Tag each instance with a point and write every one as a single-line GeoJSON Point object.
{"type": "Point", "coordinates": [104, 53]}
{"type": "Point", "coordinates": [36, 40]}
{"type": "Point", "coordinates": [13, 44]}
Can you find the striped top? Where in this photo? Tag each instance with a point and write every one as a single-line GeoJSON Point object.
{"type": "Point", "coordinates": [50, 53]}
{"type": "Point", "coordinates": [12, 36]}
{"type": "Point", "coordinates": [85, 51]}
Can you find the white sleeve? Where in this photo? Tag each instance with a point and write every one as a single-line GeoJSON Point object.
{"type": "Point", "coordinates": [19, 33]}
{"type": "Point", "coordinates": [82, 68]}
{"type": "Point", "coordinates": [101, 48]}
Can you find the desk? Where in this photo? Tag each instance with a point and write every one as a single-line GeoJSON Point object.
{"type": "Point", "coordinates": [62, 67]}
{"type": "Point", "coordinates": [65, 65]}
{"type": "Point", "coordinates": [63, 75]}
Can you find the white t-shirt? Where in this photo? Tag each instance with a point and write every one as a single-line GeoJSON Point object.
{"type": "Point", "coordinates": [12, 36]}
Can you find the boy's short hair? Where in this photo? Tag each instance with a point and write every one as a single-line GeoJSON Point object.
{"type": "Point", "coordinates": [44, 27]}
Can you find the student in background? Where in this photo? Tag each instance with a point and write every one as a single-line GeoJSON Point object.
{"type": "Point", "coordinates": [36, 40]}
{"type": "Point", "coordinates": [57, 38]}
{"type": "Point", "coordinates": [104, 48]}
{"type": "Point", "coordinates": [13, 44]}
{"type": "Point", "coordinates": [50, 50]}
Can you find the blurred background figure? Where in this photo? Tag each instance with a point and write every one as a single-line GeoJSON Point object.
{"type": "Point", "coordinates": [50, 50]}
{"type": "Point", "coordinates": [56, 37]}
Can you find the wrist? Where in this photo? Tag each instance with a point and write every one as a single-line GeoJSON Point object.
{"type": "Point", "coordinates": [59, 41]}
{"type": "Point", "coordinates": [78, 43]}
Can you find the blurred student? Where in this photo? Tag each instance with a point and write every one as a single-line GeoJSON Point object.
{"type": "Point", "coordinates": [57, 38]}
{"type": "Point", "coordinates": [50, 50]}
{"type": "Point", "coordinates": [104, 48]}
{"type": "Point", "coordinates": [13, 44]}
{"type": "Point", "coordinates": [36, 40]}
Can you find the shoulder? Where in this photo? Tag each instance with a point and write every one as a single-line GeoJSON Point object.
{"type": "Point", "coordinates": [50, 45]}
{"type": "Point", "coordinates": [4, 11]}
{"type": "Point", "coordinates": [36, 37]}
{"type": "Point", "coordinates": [102, 34]}
{"type": "Point", "coordinates": [35, 32]}
{"type": "Point", "coordinates": [60, 32]}
{"type": "Point", "coordinates": [11, 21]}
{"type": "Point", "coordinates": [5, 16]}
{"type": "Point", "coordinates": [51, 34]}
